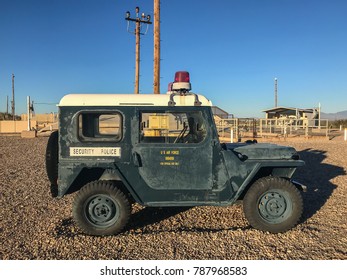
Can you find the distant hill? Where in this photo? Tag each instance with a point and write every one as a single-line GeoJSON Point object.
{"type": "Point", "coordinates": [334, 116]}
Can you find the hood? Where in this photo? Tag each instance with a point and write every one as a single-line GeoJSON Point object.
{"type": "Point", "coordinates": [263, 151]}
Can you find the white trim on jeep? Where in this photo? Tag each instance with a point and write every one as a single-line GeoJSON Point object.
{"type": "Point", "coordinates": [129, 100]}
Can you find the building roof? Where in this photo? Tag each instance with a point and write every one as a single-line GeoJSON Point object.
{"type": "Point", "coordinates": [282, 109]}
{"type": "Point", "coordinates": [129, 100]}
{"type": "Point", "coordinates": [220, 112]}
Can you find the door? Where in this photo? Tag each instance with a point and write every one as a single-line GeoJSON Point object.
{"type": "Point", "coordinates": [174, 151]}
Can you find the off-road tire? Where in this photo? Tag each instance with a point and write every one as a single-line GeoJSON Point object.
{"type": "Point", "coordinates": [52, 158]}
{"type": "Point", "coordinates": [100, 208]}
{"type": "Point", "coordinates": [273, 204]}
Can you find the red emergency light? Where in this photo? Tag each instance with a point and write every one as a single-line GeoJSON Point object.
{"type": "Point", "coordinates": [182, 76]}
{"type": "Point", "coordinates": [182, 81]}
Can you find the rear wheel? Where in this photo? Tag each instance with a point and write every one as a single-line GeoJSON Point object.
{"type": "Point", "coordinates": [273, 204]}
{"type": "Point", "coordinates": [100, 208]}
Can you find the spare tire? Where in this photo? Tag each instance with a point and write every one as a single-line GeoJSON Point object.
{"type": "Point", "coordinates": [52, 158]}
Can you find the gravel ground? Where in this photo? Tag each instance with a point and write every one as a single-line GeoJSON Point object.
{"type": "Point", "coordinates": [33, 225]}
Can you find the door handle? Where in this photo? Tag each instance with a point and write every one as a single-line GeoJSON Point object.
{"type": "Point", "coordinates": [137, 159]}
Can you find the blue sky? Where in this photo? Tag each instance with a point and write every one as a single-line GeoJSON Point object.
{"type": "Point", "coordinates": [233, 50]}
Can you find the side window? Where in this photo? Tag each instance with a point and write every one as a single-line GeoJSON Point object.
{"type": "Point", "coordinates": [100, 126]}
{"type": "Point", "coordinates": [172, 127]}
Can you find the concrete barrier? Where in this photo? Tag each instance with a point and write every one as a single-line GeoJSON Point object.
{"type": "Point", "coordinates": [15, 126]}
{"type": "Point", "coordinates": [28, 134]}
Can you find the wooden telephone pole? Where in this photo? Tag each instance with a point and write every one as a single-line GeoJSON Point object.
{"type": "Point", "coordinates": [139, 20]}
{"type": "Point", "coordinates": [137, 55]}
{"type": "Point", "coordinates": [156, 78]}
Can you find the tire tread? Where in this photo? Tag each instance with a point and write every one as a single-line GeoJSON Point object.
{"type": "Point", "coordinates": [261, 186]}
{"type": "Point", "coordinates": [101, 187]}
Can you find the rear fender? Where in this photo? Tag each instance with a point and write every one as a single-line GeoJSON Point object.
{"type": "Point", "coordinates": [75, 177]}
{"type": "Point", "coordinates": [115, 175]}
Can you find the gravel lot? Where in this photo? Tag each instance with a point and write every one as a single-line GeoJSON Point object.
{"type": "Point", "coordinates": [33, 225]}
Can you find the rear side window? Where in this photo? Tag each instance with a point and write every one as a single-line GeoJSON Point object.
{"type": "Point", "coordinates": [100, 126]}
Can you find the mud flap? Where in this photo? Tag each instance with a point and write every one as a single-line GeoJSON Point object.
{"type": "Point", "coordinates": [299, 186]}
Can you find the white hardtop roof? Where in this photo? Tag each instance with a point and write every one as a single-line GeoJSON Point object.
{"type": "Point", "coordinates": [129, 100]}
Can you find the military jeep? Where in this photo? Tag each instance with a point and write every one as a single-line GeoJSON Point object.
{"type": "Point", "coordinates": [163, 150]}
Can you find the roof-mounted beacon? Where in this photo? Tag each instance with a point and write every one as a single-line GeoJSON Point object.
{"type": "Point", "coordinates": [181, 83]}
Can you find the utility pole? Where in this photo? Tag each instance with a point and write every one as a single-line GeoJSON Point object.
{"type": "Point", "coordinates": [144, 19]}
{"type": "Point", "coordinates": [275, 92]}
{"type": "Point", "coordinates": [28, 112]}
{"type": "Point", "coordinates": [137, 51]}
{"type": "Point", "coordinates": [319, 114]}
{"type": "Point", "coordinates": [13, 104]}
{"type": "Point", "coordinates": [156, 78]}
{"type": "Point", "coordinates": [6, 105]}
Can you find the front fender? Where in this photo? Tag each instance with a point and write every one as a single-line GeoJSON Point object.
{"type": "Point", "coordinates": [283, 169]}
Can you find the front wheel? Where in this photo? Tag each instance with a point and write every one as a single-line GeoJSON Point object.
{"type": "Point", "coordinates": [273, 204]}
{"type": "Point", "coordinates": [100, 208]}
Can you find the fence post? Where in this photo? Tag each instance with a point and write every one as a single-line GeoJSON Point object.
{"type": "Point", "coordinates": [345, 134]}
{"type": "Point", "coordinates": [261, 127]}
{"type": "Point", "coordinates": [222, 128]}
{"type": "Point", "coordinates": [270, 126]}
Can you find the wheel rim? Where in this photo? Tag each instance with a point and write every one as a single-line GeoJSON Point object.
{"type": "Point", "coordinates": [274, 206]}
{"type": "Point", "coordinates": [101, 211]}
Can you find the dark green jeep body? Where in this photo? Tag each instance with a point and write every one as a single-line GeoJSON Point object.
{"type": "Point", "coordinates": [164, 151]}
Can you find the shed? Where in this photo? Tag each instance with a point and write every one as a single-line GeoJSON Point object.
{"type": "Point", "coordinates": [289, 112]}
